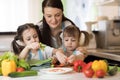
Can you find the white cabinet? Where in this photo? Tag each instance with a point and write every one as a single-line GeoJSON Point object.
{"type": "Point", "coordinates": [109, 8]}
{"type": "Point", "coordinates": [109, 2]}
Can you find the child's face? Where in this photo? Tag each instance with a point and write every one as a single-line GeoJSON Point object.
{"type": "Point", "coordinates": [29, 36]}
{"type": "Point", "coordinates": [71, 43]}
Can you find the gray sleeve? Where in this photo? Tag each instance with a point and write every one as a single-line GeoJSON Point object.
{"type": "Point", "coordinates": [40, 25]}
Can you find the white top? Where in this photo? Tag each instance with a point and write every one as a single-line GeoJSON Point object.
{"type": "Point", "coordinates": [44, 53]}
{"type": "Point", "coordinates": [54, 41]}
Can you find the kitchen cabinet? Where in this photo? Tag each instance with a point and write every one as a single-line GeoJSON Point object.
{"type": "Point", "coordinates": [106, 6]}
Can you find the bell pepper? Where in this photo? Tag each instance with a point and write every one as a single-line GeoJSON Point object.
{"type": "Point", "coordinates": [79, 65]}
{"type": "Point", "coordinates": [87, 66]}
{"type": "Point", "coordinates": [99, 64]}
{"type": "Point", "coordinates": [8, 66]}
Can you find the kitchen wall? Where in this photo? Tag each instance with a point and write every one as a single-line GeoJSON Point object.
{"type": "Point", "coordinates": [5, 43]}
{"type": "Point", "coordinates": [110, 11]}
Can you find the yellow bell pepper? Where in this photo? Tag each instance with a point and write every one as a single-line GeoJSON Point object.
{"type": "Point", "coordinates": [8, 66]}
{"type": "Point", "coordinates": [99, 64]}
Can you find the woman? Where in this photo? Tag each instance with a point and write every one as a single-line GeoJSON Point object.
{"type": "Point", "coordinates": [53, 22]}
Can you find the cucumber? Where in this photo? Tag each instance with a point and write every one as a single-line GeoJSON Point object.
{"type": "Point", "coordinates": [23, 74]}
{"type": "Point", "coordinates": [113, 70]}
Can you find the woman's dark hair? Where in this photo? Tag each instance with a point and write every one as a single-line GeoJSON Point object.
{"type": "Point", "coordinates": [46, 34]}
{"type": "Point", "coordinates": [17, 48]}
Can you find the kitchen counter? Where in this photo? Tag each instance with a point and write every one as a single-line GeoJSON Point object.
{"type": "Point", "coordinates": [68, 76]}
{"type": "Point", "coordinates": [104, 53]}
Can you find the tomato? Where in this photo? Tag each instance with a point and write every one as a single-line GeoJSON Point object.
{"type": "Point", "coordinates": [87, 66]}
{"type": "Point", "coordinates": [100, 73]}
{"type": "Point", "coordinates": [89, 73]}
{"type": "Point", "coordinates": [20, 69]}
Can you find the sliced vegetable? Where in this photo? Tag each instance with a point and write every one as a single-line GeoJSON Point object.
{"type": "Point", "coordinates": [23, 74]}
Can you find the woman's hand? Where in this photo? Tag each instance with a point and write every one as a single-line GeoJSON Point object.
{"type": "Point", "coordinates": [61, 57]}
{"type": "Point", "coordinates": [33, 46]}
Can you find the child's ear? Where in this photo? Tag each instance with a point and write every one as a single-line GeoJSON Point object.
{"type": "Point", "coordinates": [21, 43]}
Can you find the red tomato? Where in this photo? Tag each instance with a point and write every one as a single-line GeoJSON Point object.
{"type": "Point", "coordinates": [20, 69]}
{"type": "Point", "coordinates": [87, 66]}
{"type": "Point", "coordinates": [89, 73]}
{"type": "Point", "coordinates": [100, 73]}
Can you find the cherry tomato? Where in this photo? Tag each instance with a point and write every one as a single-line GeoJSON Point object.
{"type": "Point", "coordinates": [100, 73]}
{"type": "Point", "coordinates": [89, 73]}
{"type": "Point", "coordinates": [20, 69]}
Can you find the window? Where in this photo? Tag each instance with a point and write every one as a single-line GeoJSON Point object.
{"type": "Point", "coordinates": [81, 11]}
{"type": "Point", "coordinates": [16, 12]}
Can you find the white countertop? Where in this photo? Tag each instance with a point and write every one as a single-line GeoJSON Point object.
{"type": "Point", "coordinates": [68, 76]}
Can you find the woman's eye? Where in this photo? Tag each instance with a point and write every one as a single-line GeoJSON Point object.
{"type": "Point", "coordinates": [28, 39]}
{"type": "Point", "coordinates": [49, 16]}
{"type": "Point", "coordinates": [57, 15]}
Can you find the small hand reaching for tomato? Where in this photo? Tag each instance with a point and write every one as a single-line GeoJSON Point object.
{"type": "Point", "coordinates": [71, 59]}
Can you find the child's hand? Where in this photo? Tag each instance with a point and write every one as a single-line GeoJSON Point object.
{"type": "Point", "coordinates": [33, 46]}
{"type": "Point", "coordinates": [71, 59]}
{"type": "Point", "coordinates": [83, 50]}
{"type": "Point", "coordinates": [61, 57]}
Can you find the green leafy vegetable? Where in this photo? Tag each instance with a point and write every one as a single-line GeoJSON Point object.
{"type": "Point", "coordinates": [8, 55]}
{"type": "Point", "coordinates": [24, 64]}
{"type": "Point", "coordinates": [42, 46]}
{"type": "Point", "coordinates": [39, 62]}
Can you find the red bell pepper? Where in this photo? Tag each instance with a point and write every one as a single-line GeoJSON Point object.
{"type": "Point", "coordinates": [79, 65]}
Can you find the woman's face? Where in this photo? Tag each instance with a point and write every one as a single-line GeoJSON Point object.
{"type": "Point", "coordinates": [53, 17]}
{"type": "Point", "coordinates": [29, 36]}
